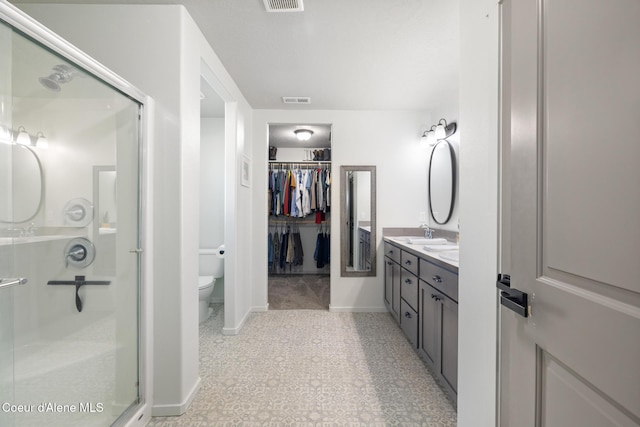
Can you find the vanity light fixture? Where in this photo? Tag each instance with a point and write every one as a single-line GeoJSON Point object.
{"type": "Point", "coordinates": [437, 132]}
{"type": "Point", "coordinates": [23, 138]}
{"type": "Point", "coordinates": [303, 134]}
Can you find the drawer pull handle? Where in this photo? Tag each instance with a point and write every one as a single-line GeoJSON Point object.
{"type": "Point", "coordinates": [435, 297]}
{"type": "Point", "coordinates": [407, 315]}
{"type": "Point", "coordinates": [407, 281]}
{"type": "Point", "coordinates": [390, 252]}
{"type": "Point", "coordinates": [437, 279]}
{"type": "Point", "coordinates": [408, 262]}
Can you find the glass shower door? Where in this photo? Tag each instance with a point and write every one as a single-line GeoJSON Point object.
{"type": "Point", "coordinates": [69, 223]}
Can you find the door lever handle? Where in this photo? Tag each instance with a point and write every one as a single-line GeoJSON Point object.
{"type": "Point", "coordinates": [511, 298]}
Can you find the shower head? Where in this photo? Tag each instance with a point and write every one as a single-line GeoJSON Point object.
{"type": "Point", "coordinates": [61, 74]}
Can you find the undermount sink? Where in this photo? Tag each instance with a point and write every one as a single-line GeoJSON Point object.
{"type": "Point", "coordinates": [450, 256]}
{"type": "Point", "coordinates": [403, 239]}
{"type": "Point", "coordinates": [419, 240]}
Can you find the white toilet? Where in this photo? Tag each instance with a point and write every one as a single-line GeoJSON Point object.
{"type": "Point", "coordinates": [211, 268]}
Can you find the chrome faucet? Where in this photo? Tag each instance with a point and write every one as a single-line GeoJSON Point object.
{"type": "Point", "coordinates": [428, 232]}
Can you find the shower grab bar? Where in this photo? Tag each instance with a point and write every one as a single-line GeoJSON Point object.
{"type": "Point", "coordinates": [5, 283]}
{"type": "Point", "coordinates": [78, 282]}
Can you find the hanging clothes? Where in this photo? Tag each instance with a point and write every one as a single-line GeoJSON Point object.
{"type": "Point", "coordinates": [298, 192]}
{"type": "Point", "coordinates": [270, 250]}
{"type": "Point", "coordinates": [283, 250]}
{"type": "Point", "coordinates": [276, 250]}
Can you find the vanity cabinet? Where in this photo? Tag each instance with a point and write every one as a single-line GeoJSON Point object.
{"type": "Point", "coordinates": [421, 292]}
{"type": "Point", "coordinates": [438, 342]}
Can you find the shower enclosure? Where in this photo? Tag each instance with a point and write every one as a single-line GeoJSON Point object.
{"type": "Point", "coordinates": [70, 144]}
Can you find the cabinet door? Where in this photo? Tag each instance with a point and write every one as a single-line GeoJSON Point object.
{"type": "Point", "coordinates": [430, 321]}
{"type": "Point", "coordinates": [388, 281]}
{"type": "Point", "coordinates": [392, 287]}
{"type": "Point", "coordinates": [396, 290]}
{"type": "Point", "coordinates": [449, 366]}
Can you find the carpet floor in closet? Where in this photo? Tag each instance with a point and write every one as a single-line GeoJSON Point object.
{"type": "Point", "coordinates": [299, 292]}
{"type": "Point", "coordinates": [312, 368]}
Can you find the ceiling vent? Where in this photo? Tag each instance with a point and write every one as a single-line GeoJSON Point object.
{"type": "Point", "coordinates": [283, 5]}
{"type": "Point", "coordinates": [296, 100]}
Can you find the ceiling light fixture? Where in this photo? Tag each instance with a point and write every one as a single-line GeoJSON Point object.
{"type": "Point", "coordinates": [303, 134]}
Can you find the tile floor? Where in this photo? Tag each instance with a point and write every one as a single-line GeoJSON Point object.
{"type": "Point", "coordinates": [312, 368]}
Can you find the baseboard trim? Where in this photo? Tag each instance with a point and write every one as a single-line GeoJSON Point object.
{"type": "Point", "coordinates": [236, 330]}
{"type": "Point", "coordinates": [334, 309]}
{"type": "Point", "coordinates": [260, 309]}
{"type": "Point", "coordinates": [176, 410]}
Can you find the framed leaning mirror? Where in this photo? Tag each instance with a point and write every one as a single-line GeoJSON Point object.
{"type": "Point", "coordinates": [357, 221]}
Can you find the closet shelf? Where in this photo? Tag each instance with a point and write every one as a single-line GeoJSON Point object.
{"type": "Point", "coordinates": [309, 220]}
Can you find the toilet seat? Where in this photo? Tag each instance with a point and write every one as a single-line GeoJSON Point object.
{"type": "Point", "coordinates": [205, 281]}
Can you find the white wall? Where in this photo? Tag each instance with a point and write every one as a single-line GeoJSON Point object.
{"type": "Point", "coordinates": [478, 214]}
{"type": "Point", "coordinates": [160, 50]}
{"type": "Point", "coordinates": [212, 182]}
{"type": "Point", "coordinates": [212, 188]}
{"type": "Point", "coordinates": [390, 141]}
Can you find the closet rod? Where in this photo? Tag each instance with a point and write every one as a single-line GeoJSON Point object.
{"type": "Point", "coordinates": [302, 163]}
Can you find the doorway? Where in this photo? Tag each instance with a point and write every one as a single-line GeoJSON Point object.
{"type": "Point", "coordinates": [299, 186]}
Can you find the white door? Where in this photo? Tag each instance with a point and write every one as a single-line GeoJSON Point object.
{"type": "Point", "coordinates": [571, 103]}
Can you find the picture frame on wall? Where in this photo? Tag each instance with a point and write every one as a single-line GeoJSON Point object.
{"type": "Point", "coordinates": [245, 171]}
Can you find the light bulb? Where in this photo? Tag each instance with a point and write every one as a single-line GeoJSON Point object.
{"type": "Point", "coordinates": [23, 137]}
{"type": "Point", "coordinates": [42, 141]}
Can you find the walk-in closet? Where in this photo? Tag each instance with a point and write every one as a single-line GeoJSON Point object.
{"type": "Point", "coordinates": [299, 208]}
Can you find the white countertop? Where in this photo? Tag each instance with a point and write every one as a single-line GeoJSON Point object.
{"type": "Point", "coordinates": [449, 255]}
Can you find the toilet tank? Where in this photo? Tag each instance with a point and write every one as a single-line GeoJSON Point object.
{"type": "Point", "coordinates": [211, 263]}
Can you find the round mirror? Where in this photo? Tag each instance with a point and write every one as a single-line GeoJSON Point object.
{"type": "Point", "coordinates": [442, 182]}
{"type": "Point", "coordinates": [24, 182]}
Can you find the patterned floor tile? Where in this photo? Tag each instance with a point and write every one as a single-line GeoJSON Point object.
{"type": "Point", "coordinates": [312, 368]}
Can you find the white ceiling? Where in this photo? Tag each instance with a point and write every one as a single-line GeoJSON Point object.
{"type": "Point", "coordinates": [344, 54]}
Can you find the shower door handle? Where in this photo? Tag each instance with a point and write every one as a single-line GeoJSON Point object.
{"type": "Point", "coordinates": [5, 283]}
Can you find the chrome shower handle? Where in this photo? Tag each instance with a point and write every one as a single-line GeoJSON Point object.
{"type": "Point", "coordinates": [76, 253]}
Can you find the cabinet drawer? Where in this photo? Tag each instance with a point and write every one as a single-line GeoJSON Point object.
{"type": "Point", "coordinates": [410, 262]}
{"type": "Point", "coordinates": [409, 322]}
{"type": "Point", "coordinates": [409, 288]}
{"type": "Point", "coordinates": [441, 279]}
{"type": "Point", "coordinates": [392, 252]}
